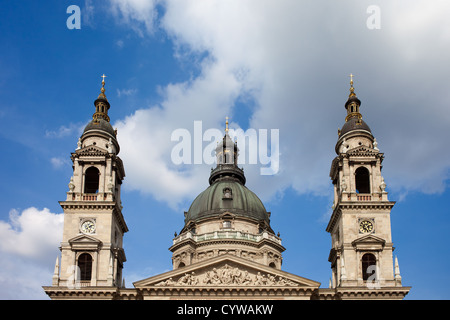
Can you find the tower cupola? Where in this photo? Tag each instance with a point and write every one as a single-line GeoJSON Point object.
{"type": "Point", "coordinates": [101, 104]}
{"type": "Point", "coordinates": [227, 154]}
{"type": "Point", "coordinates": [99, 130]}
{"type": "Point", "coordinates": [353, 103]}
{"type": "Point", "coordinates": [354, 127]}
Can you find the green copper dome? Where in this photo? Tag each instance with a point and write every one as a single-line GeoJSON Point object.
{"type": "Point", "coordinates": [227, 191]}
{"type": "Point", "coordinates": [227, 195]}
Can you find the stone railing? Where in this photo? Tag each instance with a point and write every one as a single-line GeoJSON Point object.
{"type": "Point", "coordinates": [231, 234]}
{"type": "Point", "coordinates": [89, 197]}
{"type": "Point", "coordinates": [353, 196]}
{"type": "Point", "coordinates": [85, 283]}
{"type": "Point", "coordinates": [363, 197]}
{"type": "Point", "coordinates": [75, 196]}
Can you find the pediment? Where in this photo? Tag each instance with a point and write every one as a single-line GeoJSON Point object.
{"type": "Point", "coordinates": [226, 270]}
{"type": "Point", "coordinates": [369, 242]}
{"type": "Point", "coordinates": [362, 150]}
{"type": "Point", "coordinates": [227, 215]}
{"type": "Point", "coordinates": [84, 242]}
{"type": "Point", "coordinates": [92, 151]}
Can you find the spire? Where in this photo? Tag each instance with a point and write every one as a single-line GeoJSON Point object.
{"type": "Point", "coordinates": [56, 270]}
{"type": "Point", "coordinates": [227, 158]}
{"type": "Point", "coordinates": [102, 93]}
{"type": "Point", "coordinates": [352, 90]}
{"type": "Point", "coordinates": [226, 125]}
{"type": "Point", "coordinates": [110, 272]}
{"type": "Point", "coordinates": [353, 103]}
{"type": "Point", "coordinates": [397, 276]}
{"type": "Point", "coordinates": [343, 274]}
{"type": "Point", "coordinates": [227, 151]}
{"type": "Point", "coordinates": [55, 278]}
{"type": "Point", "coordinates": [101, 104]}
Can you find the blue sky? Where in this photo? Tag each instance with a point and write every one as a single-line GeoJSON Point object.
{"type": "Point", "coordinates": [267, 65]}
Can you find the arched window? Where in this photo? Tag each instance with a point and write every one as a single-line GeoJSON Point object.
{"type": "Point", "coordinates": [91, 179]}
{"type": "Point", "coordinates": [272, 265]}
{"type": "Point", "coordinates": [85, 265]}
{"type": "Point", "coordinates": [362, 180]}
{"type": "Point", "coordinates": [368, 264]}
{"type": "Point", "coordinates": [181, 265]}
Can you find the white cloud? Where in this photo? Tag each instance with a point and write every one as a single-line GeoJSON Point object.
{"type": "Point", "coordinates": [120, 43]}
{"type": "Point", "coordinates": [28, 241]}
{"type": "Point", "coordinates": [145, 136]}
{"type": "Point", "coordinates": [87, 13]}
{"type": "Point", "coordinates": [31, 233]}
{"type": "Point", "coordinates": [59, 162]}
{"type": "Point", "coordinates": [126, 92]}
{"type": "Point", "coordinates": [136, 13]}
{"type": "Point", "coordinates": [292, 60]}
{"type": "Point", "coordinates": [64, 131]}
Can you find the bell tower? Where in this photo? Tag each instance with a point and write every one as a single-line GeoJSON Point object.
{"type": "Point", "coordinates": [92, 253]}
{"type": "Point", "coordinates": [361, 254]}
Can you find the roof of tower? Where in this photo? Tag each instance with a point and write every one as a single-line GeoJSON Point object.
{"type": "Point", "coordinates": [102, 125]}
{"type": "Point", "coordinates": [354, 124]}
{"type": "Point", "coordinates": [354, 120]}
{"type": "Point", "coordinates": [100, 119]}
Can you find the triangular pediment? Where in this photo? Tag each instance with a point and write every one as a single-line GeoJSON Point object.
{"type": "Point", "coordinates": [84, 238]}
{"type": "Point", "coordinates": [91, 151]}
{"type": "Point", "coordinates": [362, 150]}
{"type": "Point", "coordinates": [84, 242]}
{"type": "Point", "coordinates": [369, 242]}
{"type": "Point", "coordinates": [226, 270]}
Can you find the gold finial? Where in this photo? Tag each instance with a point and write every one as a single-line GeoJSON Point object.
{"type": "Point", "coordinates": [102, 94]}
{"type": "Point", "coordinates": [352, 90]}
{"type": "Point", "coordinates": [103, 83]}
{"type": "Point", "coordinates": [226, 125]}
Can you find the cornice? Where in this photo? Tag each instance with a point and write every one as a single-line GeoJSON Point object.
{"type": "Point", "coordinates": [68, 206]}
{"type": "Point", "coordinates": [194, 244]}
{"type": "Point", "coordinates": [356, 205]}
{"type": "Point", "coordinates": [215, 292]}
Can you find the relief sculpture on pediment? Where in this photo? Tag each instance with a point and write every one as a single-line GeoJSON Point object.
{"type": "Point", "coordinates": [228, 275]}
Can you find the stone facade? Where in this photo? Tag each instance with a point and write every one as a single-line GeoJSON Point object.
{"type": "Point", "coordinates": [213, 239]}
{"type": "Point", "coordinates": [227, 248]}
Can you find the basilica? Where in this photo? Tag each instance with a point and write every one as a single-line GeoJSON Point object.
{"type": "Point", "coordinates": [226, 248]}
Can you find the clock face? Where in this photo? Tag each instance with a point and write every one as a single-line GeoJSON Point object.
{"type": "Point", "coordinates": [366, 226]}
{"type": "Point", "coordinates": [88, 226]}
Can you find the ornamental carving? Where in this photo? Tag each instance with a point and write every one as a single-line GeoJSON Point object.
{"type": "Point", "coordinates": [228, 275]}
